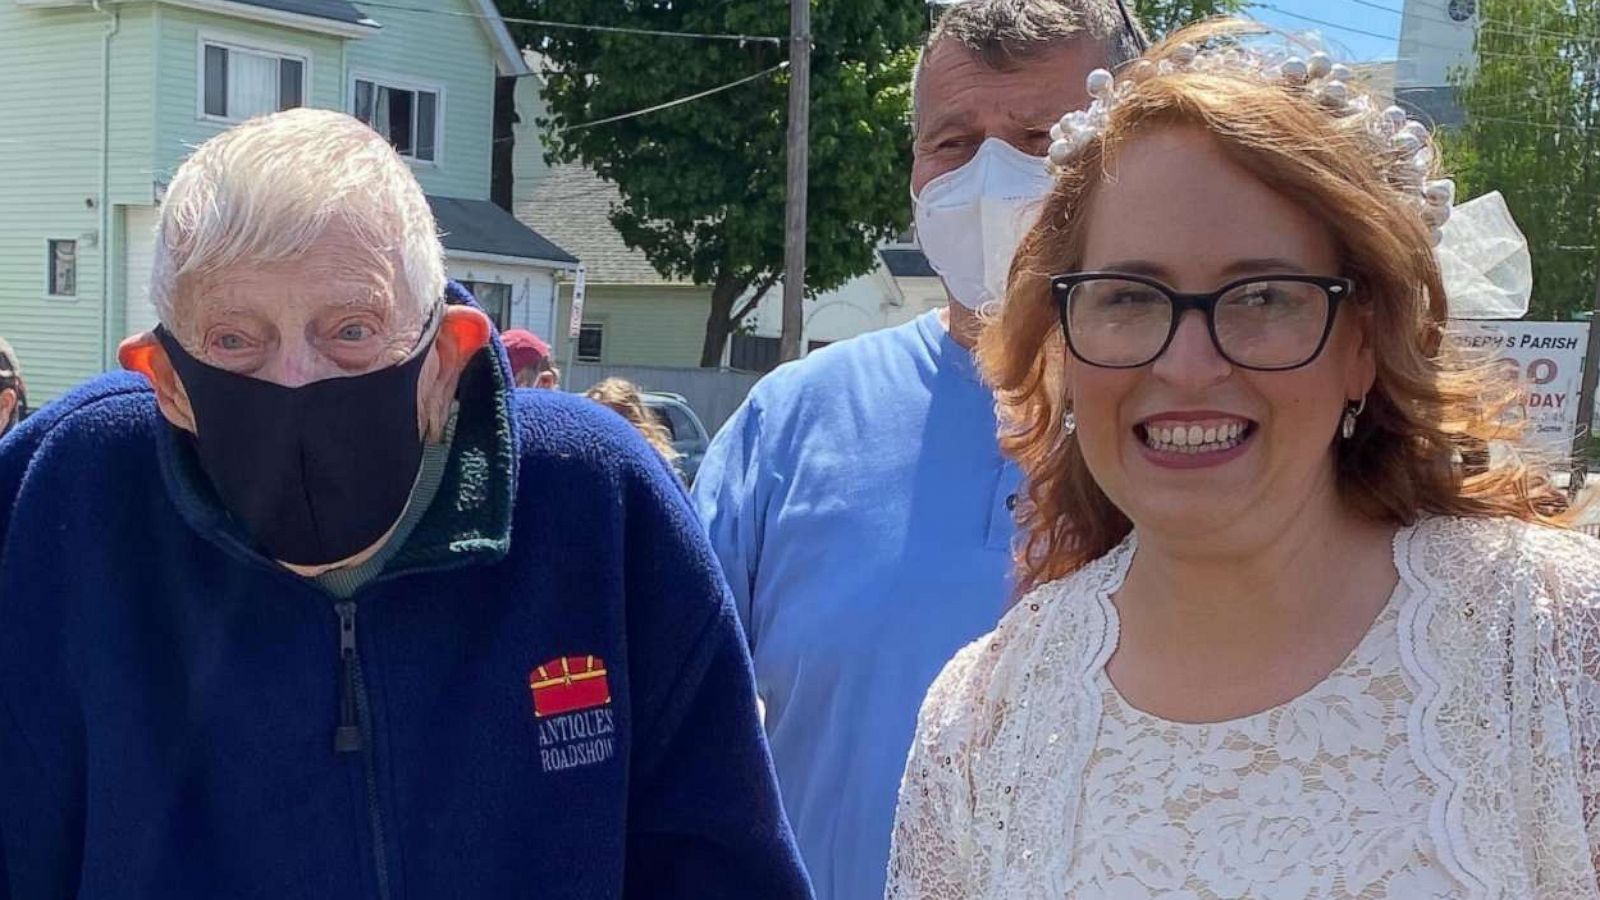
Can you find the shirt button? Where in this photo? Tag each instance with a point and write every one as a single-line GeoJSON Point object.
{"type": "Point", "coordinates": [1011, 503]}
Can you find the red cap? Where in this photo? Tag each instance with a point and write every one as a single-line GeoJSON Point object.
{"type": "Point", "coordinates": [525, 349]}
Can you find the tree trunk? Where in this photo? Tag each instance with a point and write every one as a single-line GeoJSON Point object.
{"type": "Point", "coordinates": [719, 324]}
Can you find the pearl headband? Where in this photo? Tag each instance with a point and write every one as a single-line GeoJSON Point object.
{"type": "Point", "coordinates": [1402, 141]}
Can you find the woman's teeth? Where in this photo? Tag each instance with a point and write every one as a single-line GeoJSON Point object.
{"type": "Point", "coordinates": [1195, 437]}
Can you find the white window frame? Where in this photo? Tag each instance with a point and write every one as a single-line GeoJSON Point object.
{"type": "Point", "coordinates": [242, 44]}
{"type": "Point", "coordinates": [381, 79]}
{"type": "Point", "coordinates": [50, 268]}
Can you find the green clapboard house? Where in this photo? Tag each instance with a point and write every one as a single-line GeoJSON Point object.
{"type": "Point", "coordinates": [105, 98]}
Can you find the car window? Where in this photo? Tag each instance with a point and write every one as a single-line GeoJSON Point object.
{"type": "Point", "coordinates": [665, 419]}
{"type": "Point", "coordinates": [679, 424]}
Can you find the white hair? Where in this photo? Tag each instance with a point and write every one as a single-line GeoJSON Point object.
{"type": "Point", "coordinates": [266, 190]}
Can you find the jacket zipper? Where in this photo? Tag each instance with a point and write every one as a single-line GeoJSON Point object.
{"type": "Point", "coordinates": [354, 733]}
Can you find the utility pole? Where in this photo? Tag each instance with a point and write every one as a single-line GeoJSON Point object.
{"type": "Point", "coordinates": [794, 250]}
{"type": "Point", "coordinates": [1591, 374]}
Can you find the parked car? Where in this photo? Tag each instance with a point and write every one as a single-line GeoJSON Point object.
{"type": "Point", "coordinates": [689, 435]}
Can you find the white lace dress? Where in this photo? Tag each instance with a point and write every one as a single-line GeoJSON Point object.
{"type": "Point", "coordinates": [1453, 754]}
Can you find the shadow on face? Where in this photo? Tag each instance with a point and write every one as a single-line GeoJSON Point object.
{"type": "Point", "coordinates": [332, 311]}
{"type": "Point", "coordinates": [963, 101]}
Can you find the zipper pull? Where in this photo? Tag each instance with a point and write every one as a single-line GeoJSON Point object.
{"type": "Point", "coordinates": [347, 737]}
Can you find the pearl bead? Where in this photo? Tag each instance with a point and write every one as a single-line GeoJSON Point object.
{"type": "Point", "coordinates": [1100, 84]}
{"type": "Point", "coordinates": [1334, 94]}
{"type": "Point", "coordinates": [1184, 54]}
{"type": "Point", "coordinates": [1341, 72]}
{"type": "Point", "coordinates": [1294, 70]}
{"type": "Point", "coordinates": [1319, 65]}
{"type": "Point", "coordinates": [1441, 192]}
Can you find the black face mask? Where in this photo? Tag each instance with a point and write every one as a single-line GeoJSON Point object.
{"type": "Point", "coordinates": [317, 473]}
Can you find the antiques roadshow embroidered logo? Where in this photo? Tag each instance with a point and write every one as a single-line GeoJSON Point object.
{"type": "Point", "coordinates": [572, 701]}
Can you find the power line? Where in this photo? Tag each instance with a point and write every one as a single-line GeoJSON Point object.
{"type": "Point", "coordinates": [1494, 54]}
{"type": "Point", "coordinates": [1325, 23]}
{"type": "Point", "coordinates": [1379, 6]}
{"type": "Point", "coordinates": [678, 102]}
{"type": "Point", "coordinates": [578, 26]}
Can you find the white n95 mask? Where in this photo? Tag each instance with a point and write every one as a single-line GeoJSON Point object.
{"type": "Point", "coordinates": [970, 220]}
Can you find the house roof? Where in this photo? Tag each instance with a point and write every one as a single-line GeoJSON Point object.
{"type": "Point", "coordinates": [572, 205]}
{"type": "Point", "coordinates": [479, 226]}
{"type": "Point", "coordinates": [510, 61]}
{"type": "Point", "coordinates": [907, 263]}
{"type": "Point", "coordinates": [335, 10]}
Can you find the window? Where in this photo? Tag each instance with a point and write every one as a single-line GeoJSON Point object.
{"type": "Point", "coordinates": [63, 269]}
{"type": "Point", "coordinates": [678, 423]}
{"type": "Point", "coordinates": [495, 298]}
{"type": "Point", "coordinates": [408, 117]}
{"type": "Point", "coordinates": [239, 84]}
{"type": "Point", "coordinates": [665, 421]}
{"type": "Point", "coordinates": [591, 341]}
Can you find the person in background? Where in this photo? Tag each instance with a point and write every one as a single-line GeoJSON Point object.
{"type": "Point", "coordinates": [13, 393]}
{"type": "Point", "coordinates": [285, 614]}
{"type": "Point", "coordinates": [623, 398]}
{"type": "Point", "coordinates": [531, 361]}
{"type": "Point", "coordinates": [1279, 638]}
{"type": "Point", "coordinates": [858, 499]}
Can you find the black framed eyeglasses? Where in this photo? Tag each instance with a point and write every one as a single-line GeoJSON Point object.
{"type": "Point", "coordinates": [1266, 323]}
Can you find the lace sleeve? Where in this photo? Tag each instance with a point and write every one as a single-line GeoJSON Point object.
{"type": "Point", "coordinates": [930, 856]}
{"type": "Point", "coordinates": [1572, 584]}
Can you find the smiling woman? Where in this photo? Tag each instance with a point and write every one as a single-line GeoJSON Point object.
{"type": "Point", "coordinates": [1273, 620]}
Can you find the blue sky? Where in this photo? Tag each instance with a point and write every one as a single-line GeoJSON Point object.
{"type": "Point", "coordinates": [1348, 20]}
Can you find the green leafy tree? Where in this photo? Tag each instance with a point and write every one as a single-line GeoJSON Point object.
{"type": "Point", "coordinates": [1532, 132]}
{"type": "Point", "coordinates": [1161, 17]}
{"type": "Point", "coordinates": [703, 184]}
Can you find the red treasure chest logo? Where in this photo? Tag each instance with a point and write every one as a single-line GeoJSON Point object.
{"type": "Point", "coordinates": [568, 684]}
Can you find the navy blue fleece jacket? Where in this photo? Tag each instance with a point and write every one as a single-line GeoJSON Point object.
{"type": "Point", "coordinates": [549, 692]}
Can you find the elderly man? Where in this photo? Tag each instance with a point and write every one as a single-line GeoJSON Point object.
{"type": "Point", "coordinates": [293, 618]}
{"type": "Point", "coordinates": [858, 501]}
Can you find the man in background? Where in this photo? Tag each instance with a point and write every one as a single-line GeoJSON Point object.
{"type": "Point", "coordinates": [858, 500]}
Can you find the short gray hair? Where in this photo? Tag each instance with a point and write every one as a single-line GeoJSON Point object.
{"type": "Point", "coordinates": [265, 190]}
{"type": "Point", "coordinates": [1004, 33]}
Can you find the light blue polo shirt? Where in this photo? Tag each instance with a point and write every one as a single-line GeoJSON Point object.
{"type": "Point", "coordinates": [859, 504]}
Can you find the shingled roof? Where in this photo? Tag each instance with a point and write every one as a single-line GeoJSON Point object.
{"type": "Point", "coordinates": [334, 10]}
{"type": "Point", "coordinates": [478, 226]}
{"type": "Point", "coordinates": [571, 206]}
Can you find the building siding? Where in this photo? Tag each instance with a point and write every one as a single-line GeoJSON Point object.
{"type": "Point", "coordinates": [179, 125]}
{"type": "Point", "coordinates": [51, 150]}
{"type": "Point", "coordinates": [646, 325]}
{"type": "Point", "coordinates": [446, 47]}
{"type": "Point", "coordinates": [133, 105]}
{"type": "Point", "coordinates": [50, 153]}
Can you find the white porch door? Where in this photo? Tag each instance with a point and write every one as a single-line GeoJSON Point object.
{"type": "Point", "coordinates": [139, 224]}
